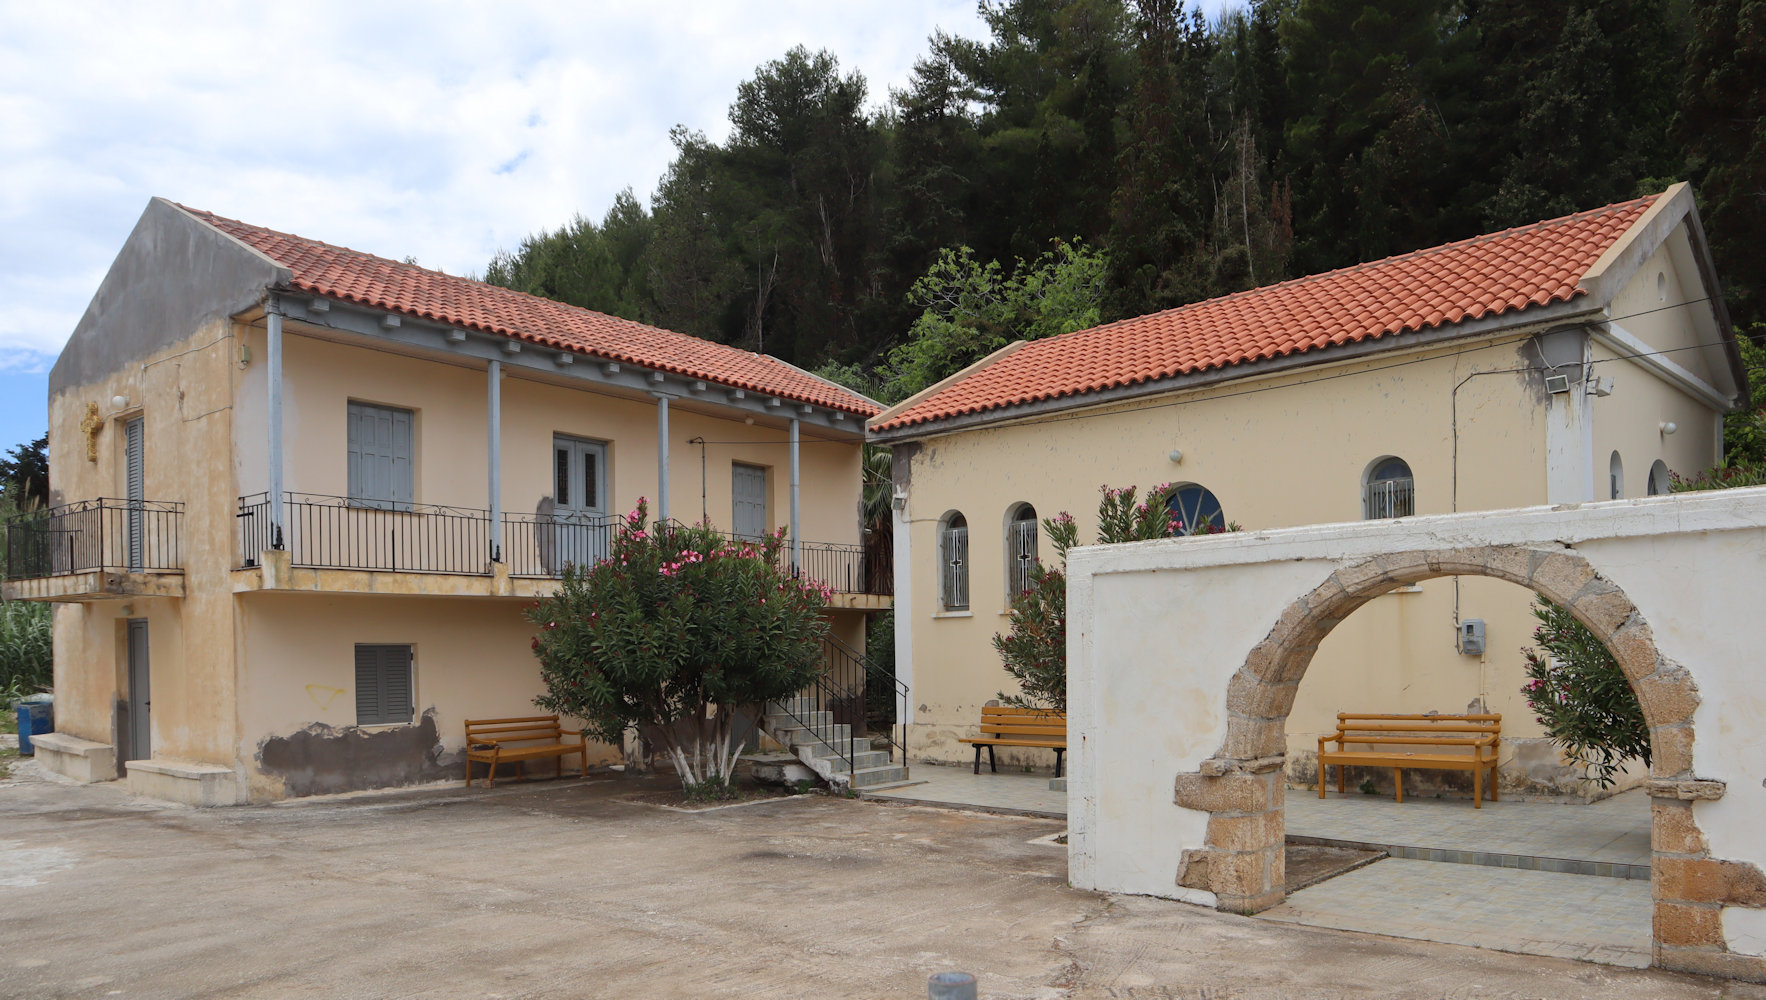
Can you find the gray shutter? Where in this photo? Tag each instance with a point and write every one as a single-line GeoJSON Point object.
{"type": "Point", "coordinates": [368, 686]}
{"type": "Point", "coordinates": [399, 485]}
{"type": "Point", "coordinates": [380, 454]}
{"type": "Point", "coordinates": [748, 486]}
{"type": "Point", "coordinates": [134, 474]}
{"type": "Point", "coordinates": [383, 685]}
{"type": "Point", "coordinates": [395, 687]}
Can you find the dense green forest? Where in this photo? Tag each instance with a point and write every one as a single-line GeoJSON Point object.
{"type": "Point", "coordinates": [1096, 159]}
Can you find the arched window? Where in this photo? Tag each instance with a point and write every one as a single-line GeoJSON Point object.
{"type": "Point", "coordinates": [1387, 490]}
{"type": "Point", "coordinates": [1197, 510]}
{"type": "Point", "coordinates": [953, 561]}
{"type": "Point", "coordinates": [1659, 479]}
{"type": "Point", "coordinates": [1616, 477]}
{"type": "Point", "coordinates": [1020, 548]}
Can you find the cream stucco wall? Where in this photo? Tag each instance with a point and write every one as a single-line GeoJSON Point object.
{"type": "Point", "coordinates": [1275, 451]}
{"type": "Point", "coordinates": [450, 422]}
{"type": "Point", "coordinates": [183, 394]}
{"type": "Point", "coordinates": [471, 660]}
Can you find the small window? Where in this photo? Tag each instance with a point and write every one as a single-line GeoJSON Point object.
{"type": "Point", "coordinates": [1020, 549]}
{"type": "Point", "coordinates": [953, 559]}
{"type": "Point", "coordinates": [1615, 477]}
{"type": "Point", "coordinates": [1196, 510]}
{"type": "Point", "coordinates": [379, 456]}
{"type": "Point", "coordinates": [383, 685]}
{"type": "Point", "coordinates": [1660, 482]}
{"type": "Point", "coordinates": [1388, 491]}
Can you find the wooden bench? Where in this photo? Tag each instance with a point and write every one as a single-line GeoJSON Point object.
{"type": "Point", "coordinates": [1480, 734]}
{"type": "Point", "coordinates": [504, 741]}
{"type": "Point", "coordinates": [1005, 726]}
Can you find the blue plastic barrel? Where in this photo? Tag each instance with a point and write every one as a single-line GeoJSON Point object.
{"type": "Point", "coordinates": [34, 719]}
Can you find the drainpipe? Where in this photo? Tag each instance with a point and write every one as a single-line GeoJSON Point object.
{"type": "Point", "coordinates": [661, 456]}
{"type": "Point", "coordinates": [273, 397]}
{"type": "Point", "coordinates": [494, 437]}
{"type": "Point", "coordinates": [796, 534]}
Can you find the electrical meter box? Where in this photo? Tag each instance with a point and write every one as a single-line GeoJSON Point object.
{"type": "Point", "coordinates": [1471, 637]}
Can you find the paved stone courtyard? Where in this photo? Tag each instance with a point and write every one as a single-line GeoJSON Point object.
{"type": "Point", "coordinates": [1564, 880]}
{"type": "Point", "coordinates": [574, 889]}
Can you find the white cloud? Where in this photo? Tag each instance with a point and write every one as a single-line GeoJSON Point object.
{"type": "Point", "coordinates": [443, 131]}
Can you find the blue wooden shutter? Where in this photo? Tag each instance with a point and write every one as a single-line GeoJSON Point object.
{"type": "Point", "coordinates": [380, 454]}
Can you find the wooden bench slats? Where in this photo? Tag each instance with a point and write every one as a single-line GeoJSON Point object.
{"type": "Point", "coordinates": [489, 741]}
{"type": "Point", "coordinates": [1418, 730]}
{"type": "Point", "coordinates": [1007, 725]}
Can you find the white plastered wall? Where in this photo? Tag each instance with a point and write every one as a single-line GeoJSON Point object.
{"type": "Point", "coordinates": [1148, 689]}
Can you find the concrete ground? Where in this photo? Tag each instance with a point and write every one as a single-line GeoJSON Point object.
{"type": "Point", "coordinates": [571, 889]}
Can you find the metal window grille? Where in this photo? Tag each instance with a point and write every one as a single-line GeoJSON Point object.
{"type": "Point", "coordinates": [1388, 498]}
{"type": "Point", "coordinates": [1021, 551]}
{"type": "Point", "coordinates": [955, 565]}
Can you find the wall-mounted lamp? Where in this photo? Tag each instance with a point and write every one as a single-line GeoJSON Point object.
{"type": "Point", "coordinates": [1668, 427]}
{"type": "Point", "coordinates": [119, 402]}
{"type": "Point", "coordinates": [1175, 455]}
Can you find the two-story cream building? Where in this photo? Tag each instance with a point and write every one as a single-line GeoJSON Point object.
{"type": "Point", "coordinates": [1582, 358]}
{"type": "Point", "coordinates": [303, 494]}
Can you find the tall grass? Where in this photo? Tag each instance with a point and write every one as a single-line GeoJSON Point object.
{"type": "Point", "coordinates": [26, 649]}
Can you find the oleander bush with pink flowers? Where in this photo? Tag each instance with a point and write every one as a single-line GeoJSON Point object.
{"type": "Point", "coordinates": [672, 634]}
{"type": "Point", "coordinates": [1581, 697]}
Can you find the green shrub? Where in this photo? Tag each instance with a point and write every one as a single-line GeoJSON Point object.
{"type": "Point", "coordinates": [27, 649]}
{"type": "Point", "coordinates": [1581, 696]}
{"type": "Point", "coordinates": [673, 633]}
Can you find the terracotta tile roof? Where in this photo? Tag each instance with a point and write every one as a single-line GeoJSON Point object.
{"type": "Point", "coordinates": [353, 276]}
{"type": "Point", "coordinates": [1489, 275]}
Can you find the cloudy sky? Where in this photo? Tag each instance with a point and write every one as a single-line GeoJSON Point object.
{"type": "Point", "coordinates": [442, 131]}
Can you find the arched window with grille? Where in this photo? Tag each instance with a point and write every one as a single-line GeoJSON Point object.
{"type": "Point", "coordinates": [1660, 482]}
{"type": "Point", "coordinates": [1197, 510]}
{"type": "Point", "coordinates": [1388, 490]}
{"type": "Point", "coordinates": [1020, 549]}
{"type": "Point", "coordinates": [953, 562]}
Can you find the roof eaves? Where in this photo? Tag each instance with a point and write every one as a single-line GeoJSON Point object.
{"type": "Point", "coordinates": [1521, 321]}
{"type": "Point", "coordinates": [944, 383]}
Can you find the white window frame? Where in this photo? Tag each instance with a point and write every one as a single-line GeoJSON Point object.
{"type": "Point", "coordinates": [953, 562]}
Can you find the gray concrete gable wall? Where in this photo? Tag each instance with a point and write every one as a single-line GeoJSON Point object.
{"type": "Point", "coordinates": [173, 275]}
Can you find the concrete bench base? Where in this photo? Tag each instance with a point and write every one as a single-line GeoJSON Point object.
{"type": "Point", "coordinates": [81, 760]}
{"type": "Point", "coordinates": [190, 782]}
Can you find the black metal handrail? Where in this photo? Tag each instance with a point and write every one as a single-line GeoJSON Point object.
{"type": "Point", "coordinates": [106, 534]}
{"type": "Point", "coordinates": [846, 569]}
{"type": "Point", "coordinates": [332, 532]}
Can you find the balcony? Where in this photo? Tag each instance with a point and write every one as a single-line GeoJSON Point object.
{"type": "Point", "coordinates": [339, 544]}
{"type": "Point", "coordinates": [96, 550]}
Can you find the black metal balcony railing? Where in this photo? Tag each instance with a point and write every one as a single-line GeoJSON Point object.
{"type": "Point", "coordinates": [329, 532]}
{"type": "Point", "coordinates": [543, 544]}
{"type": "Point", "coordinates": [103, 535]}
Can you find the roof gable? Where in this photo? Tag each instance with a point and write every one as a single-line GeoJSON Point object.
{"type": "Point", "coordinates": [354, 276]}
{"type": "Point", "coordinates": [1486, 276]}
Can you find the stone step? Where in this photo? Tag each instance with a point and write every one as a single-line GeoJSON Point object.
{"type": "Point", "coordinates": [793, 706]}
{"type": "Point", "coordinates": [779, 720]}
{"type": "Point", "coordinates": [871, 776]}
{"type": "Point", "coordinates": [863, 759]}
{"type": "Point", "coordinates": [827, 742]}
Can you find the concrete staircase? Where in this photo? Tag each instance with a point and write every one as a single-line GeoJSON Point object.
{"type": "Point", "coordinates": [822, 745]}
